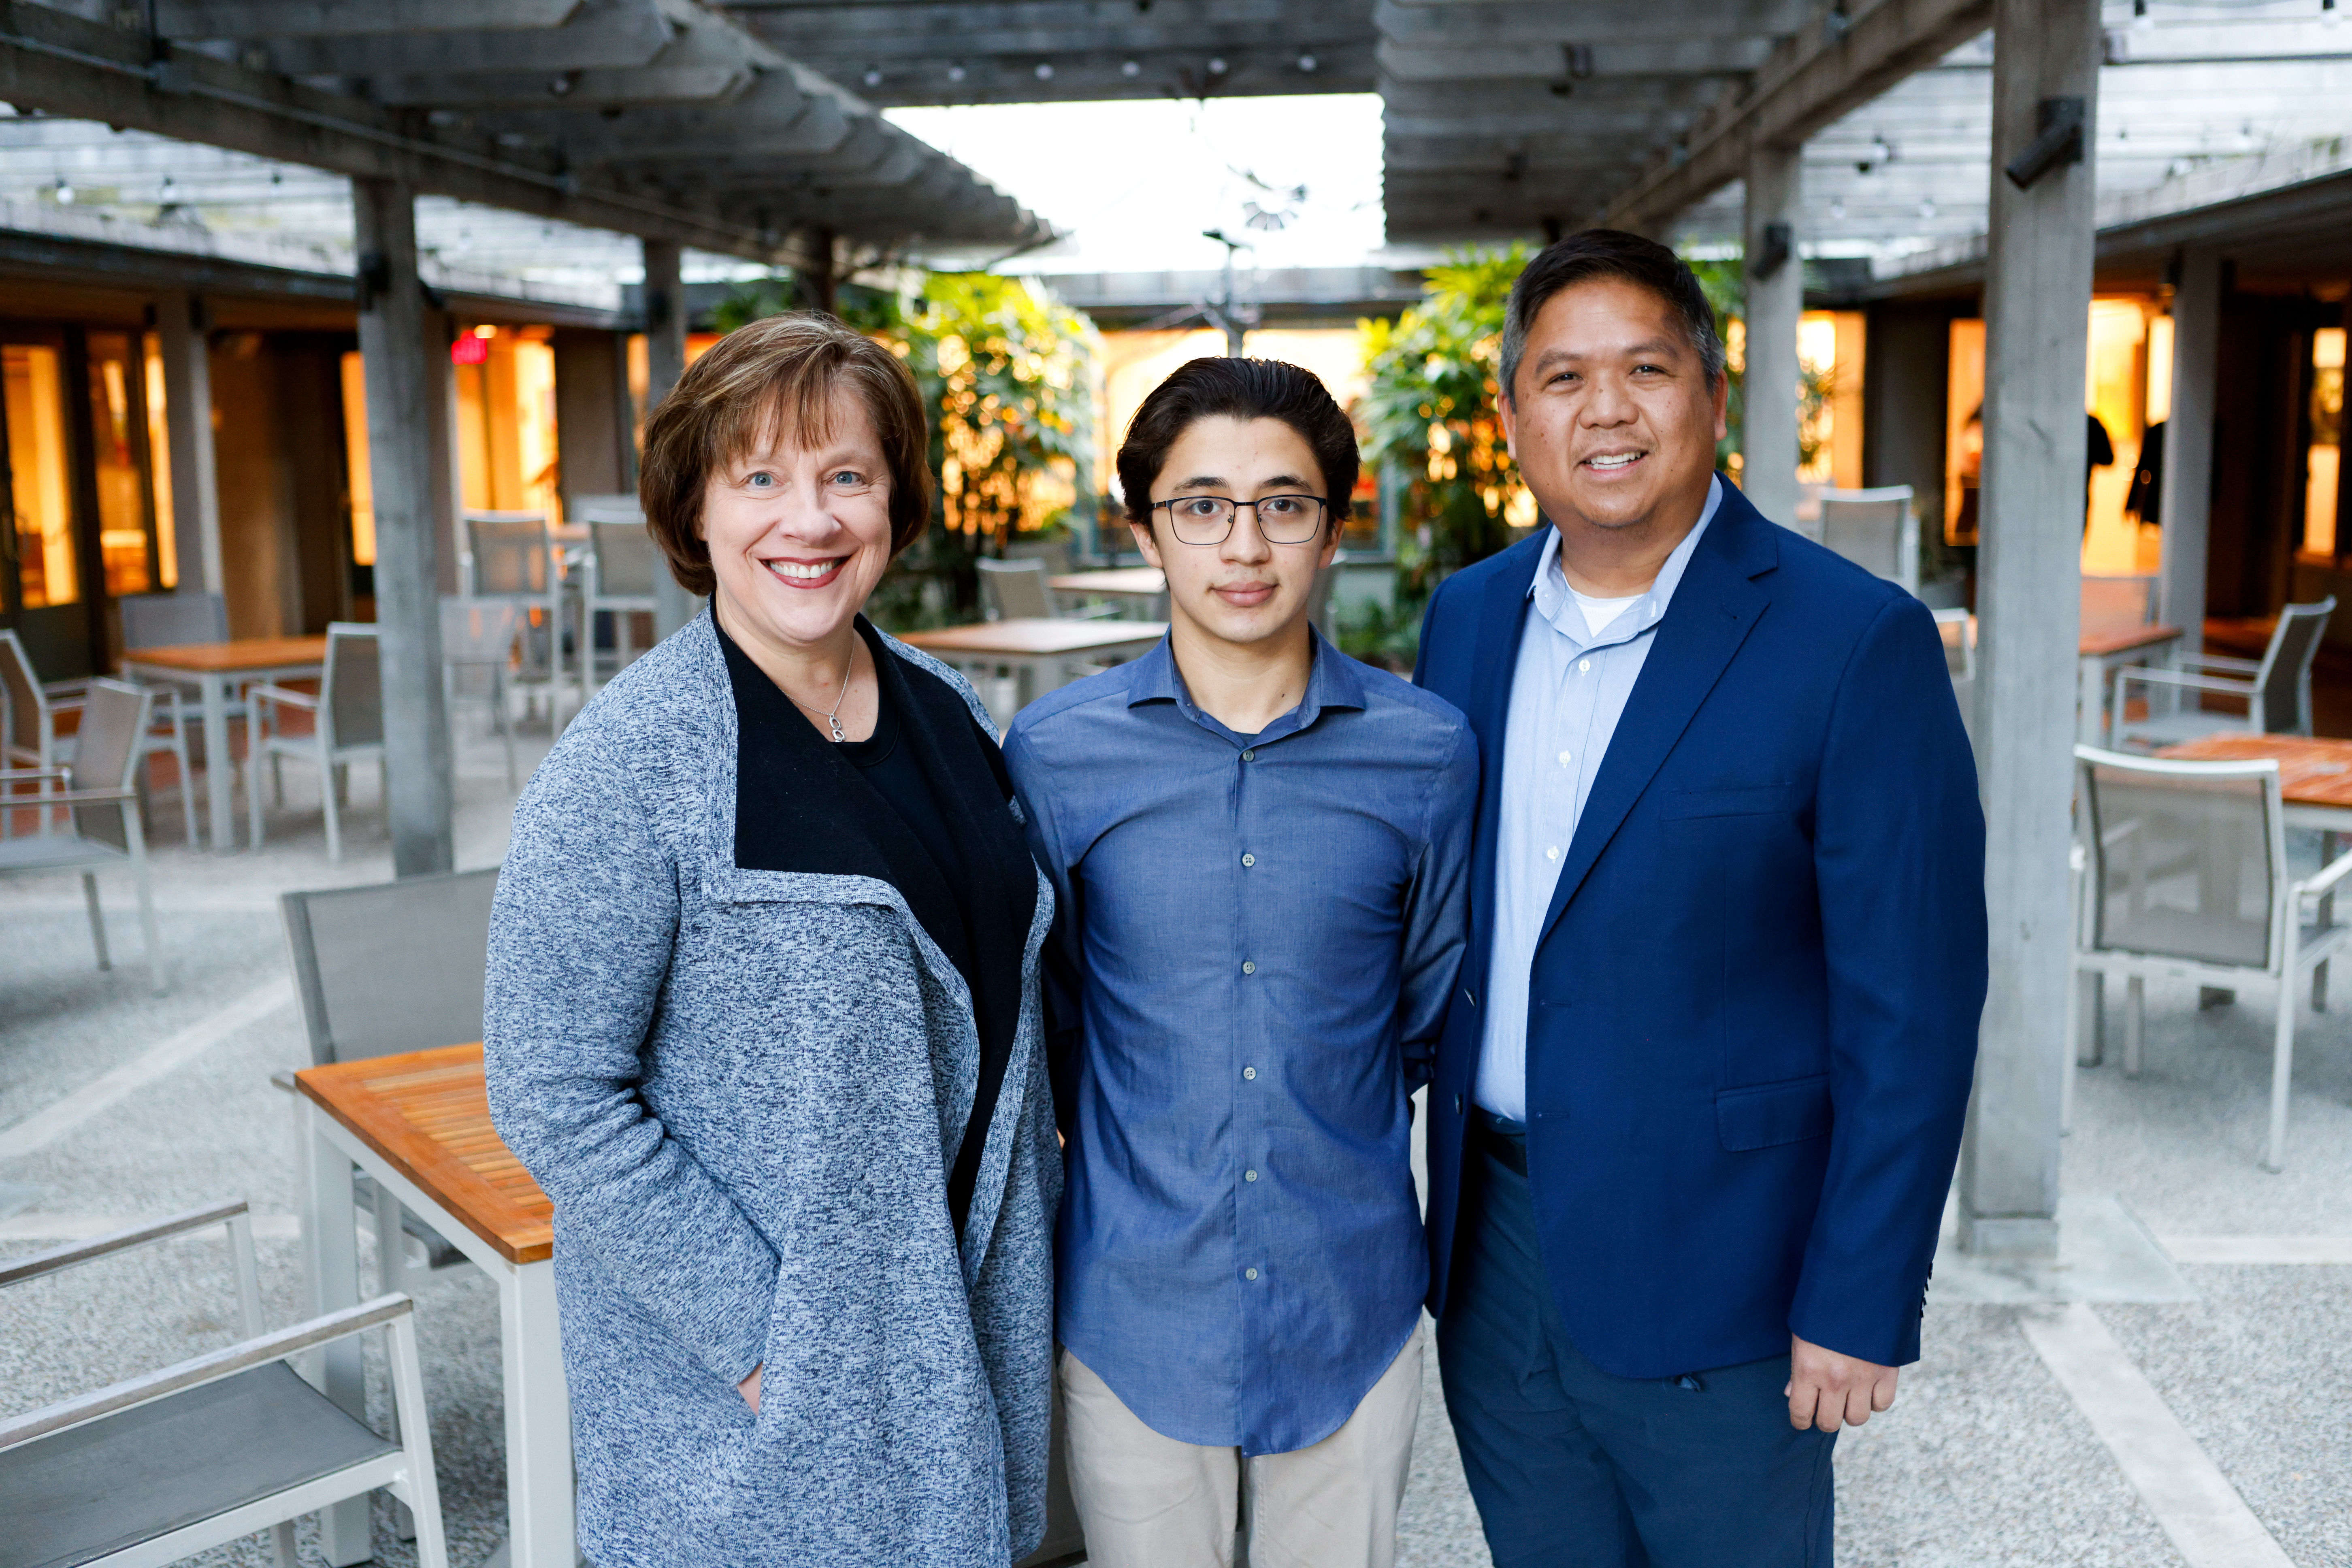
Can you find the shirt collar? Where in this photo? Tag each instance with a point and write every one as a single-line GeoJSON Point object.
{"type": "Point", "coordinates": [1553, 600]}
{"type": "Point", "coordinates": [1333, 680]}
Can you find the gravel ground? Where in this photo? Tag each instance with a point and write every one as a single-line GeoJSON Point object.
{"type": "Point", "coordinates": [1982, 1461]}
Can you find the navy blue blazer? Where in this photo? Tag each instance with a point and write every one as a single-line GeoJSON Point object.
{"type": "Point", "coordinates": [1752, 1018]}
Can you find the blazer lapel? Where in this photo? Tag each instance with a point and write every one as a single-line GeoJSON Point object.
{"type": "Point", "coordinates": [1503, 614]}
{"type": "Point", "coordinates": [1715, 607]}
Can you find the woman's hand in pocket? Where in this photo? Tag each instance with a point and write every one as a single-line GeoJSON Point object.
{"type": "Point", "coordinates": [749, 1389]}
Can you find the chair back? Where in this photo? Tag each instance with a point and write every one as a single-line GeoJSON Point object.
{"type": "Point", "coordinates": [1013, 590]}
{"type": "Point", "coordinates": [620, 506]}
{"type": "Point", "coordinates": [626, 558]}
{"type": "Point", "coordinates": [107, 751]}
{"type": "Point", "coordinates": [511, 555]}
{"type": "Point", "coordinates": [24, 706]}
{"type": "Point", "coordinates": [2282, 704]}
{"type": "Point", "coordinates": [1873, 529]}
{"type": "Point", "coordinates": [2117, 603]}
{"type": "Point", "coordinates": [395, 967]}
{"type": "Point", "coordinates": [351, 692]}
{"type": "Point", "coordinates": [173, 620]}
{"type": "Point", "coordinates": [477, 631]}
{"type": "Point", "coordinates": [2187, 859]}
{"type": "Point", "coordinates": [1959, 630]}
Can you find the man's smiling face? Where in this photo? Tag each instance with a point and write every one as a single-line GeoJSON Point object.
{"type": "Point", "coordinates": [1613, 421]}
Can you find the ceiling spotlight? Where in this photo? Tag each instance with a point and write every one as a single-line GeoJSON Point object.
{"type": "Point", "coordinates": [1306, 63]}
{"type": "Point", "coordinates": [2140, 20]}
{"type": "Point", "coordinates": [956, 73]}
{"type": "Point", "coordinates": [874, 76]}
{"type": "Point", "coordinates": [1837, 209]}
{"type": "Point", "coordinates": [1882, 151]}
{"type": "Point", "coordinates": [1045, 71]}
{"type": "Point", "coordinates": [2328, 14]}
{"type": "Point", "coordinates": [65, 192]}
{"type": "Point", "coordinates": [1927, 207]}
{"type": "Point", "coordinates": [561, 86]}
{"type": "Point", "coordinates": [1217, 65]}
{"type": "Point", "coordinates": [1130, 68]}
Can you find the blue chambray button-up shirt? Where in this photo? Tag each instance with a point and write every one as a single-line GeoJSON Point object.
{"type": "Point", "coordinates": [1566, 695]}
{"type": "Point", "coordinates": [1260, 931]}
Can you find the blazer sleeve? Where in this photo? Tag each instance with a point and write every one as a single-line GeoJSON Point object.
{"type": "Point", "coordinates": [580, 939]}
{"type": "Point", "coordinates": [1898, 856]}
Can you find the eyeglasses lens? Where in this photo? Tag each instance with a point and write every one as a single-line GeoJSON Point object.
{"type": "Point", "coordinates": [1281, 520]}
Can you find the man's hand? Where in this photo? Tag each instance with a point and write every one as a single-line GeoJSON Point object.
{"type": "Point", "coordinates": [1825, 1389]}
{"type": "Point", "coordinates": [749, 1389]}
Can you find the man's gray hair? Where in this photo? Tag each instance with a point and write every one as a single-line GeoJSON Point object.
{"type": "Point", "coordinates": [1610, 252]}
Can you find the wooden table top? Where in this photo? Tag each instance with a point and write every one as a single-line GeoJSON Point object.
{"type": "Point", "coordinates": [2312, 771]}
{"type": "Point", "coordinates": [2126, 640]}
{"type": "Point", "coordinates": [428, 1114]}
{"type": "Point", "coordinates": [1142, 581]}
{"type": "Point", "coordinates": [232, 657]}
{"type": "Point", "coordinates": [1031, 635]}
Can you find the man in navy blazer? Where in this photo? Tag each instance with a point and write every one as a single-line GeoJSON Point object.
{"type": "Point", "coordinates": [1700, 1089]}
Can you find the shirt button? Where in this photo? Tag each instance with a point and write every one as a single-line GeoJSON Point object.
{"type": "Point", "coordinates": [1249, 1072]}
{"type": "Point", "coordinates": [1249, 1273]}
{"type": "Point", "coordinates": [1584, 663]}
{"type": "Point", "coordinates": [1565, 758]}
{"type": "Point", "coordinates": [1250, 755]}
{"type": "Point", "coordinates": [1249, 1175]}
{"type": "Point", "coordinates": [1249, 859]}
{"type": "Point", "coordinates": [1248, 967]}
{"type": "Point", "coordinates": [1552, 852]}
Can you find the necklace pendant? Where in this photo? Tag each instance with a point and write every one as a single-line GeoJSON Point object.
{"type": "Point", "coordinates": [838, 734]}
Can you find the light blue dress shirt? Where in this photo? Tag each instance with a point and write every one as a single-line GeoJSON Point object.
{"type": "Point", "coordinates": [1566, 695]}
{"type": "Point", "coordinates": [1262, 931]}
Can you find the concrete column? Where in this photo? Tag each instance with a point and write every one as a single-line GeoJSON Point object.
{"type": "Point", "coordinates": [2188, 442]}
{"type": "Point", "coordinates": [2037, 298]}
{"type": "Point", "coordinates": [665, 297]}
{"type": "Point", "coordinates": [591, 413]}
{"type": "Point", "coordinates": [183, 326]}
{"type": "Point", "coordinates": [400, 408]}
{"type": "Point", "coordinates": [820, 285]}
{"type": "Point", "coordinates": [1776, 298]}
{"type": "Point", "coordinates": [446, 484]}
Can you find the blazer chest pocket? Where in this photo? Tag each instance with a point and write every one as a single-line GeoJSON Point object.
{"type": "Point", "coordinates": [1739, 800]}
{"type": "Point", "coordinates": [1766, 1115]}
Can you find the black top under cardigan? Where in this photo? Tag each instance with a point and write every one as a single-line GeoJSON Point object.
{"type": "Point", "coordinates": [918, 804]}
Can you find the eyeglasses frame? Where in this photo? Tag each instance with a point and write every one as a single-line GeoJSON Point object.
{"type": "Point", "coordinates": [1322, 524]}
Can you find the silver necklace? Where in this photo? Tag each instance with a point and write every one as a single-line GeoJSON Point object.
{"type": "Point", "coordinates": [832, 715]}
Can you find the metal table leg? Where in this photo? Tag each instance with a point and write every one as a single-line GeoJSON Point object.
{"type": "Point", "coordinates": [331, 1278]}
{"type": "Point", "coordinates": [220, 768]}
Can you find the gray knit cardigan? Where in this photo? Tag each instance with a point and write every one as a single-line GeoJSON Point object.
{"type": "Point", "coordinates": [744, 1090]}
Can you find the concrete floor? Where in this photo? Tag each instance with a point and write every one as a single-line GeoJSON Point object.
{"type": "Point", "coordinates": [1984, 1459]}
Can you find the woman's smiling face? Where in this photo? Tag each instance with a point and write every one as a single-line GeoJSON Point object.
{"type": "Point", "coordinates": [798, 526]}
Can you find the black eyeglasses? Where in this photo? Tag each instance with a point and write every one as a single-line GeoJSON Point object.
{"type": "Point", "coordinates": [1209, 520]}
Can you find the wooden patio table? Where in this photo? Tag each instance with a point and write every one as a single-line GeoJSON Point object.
{"type": "Point", "coordinates": [1146, 585]}
{"type": "Point", "coordinates": [1039, 650]}
{"type": "Point", "coordinates": [2315, 774]}
{"type": "Point", "coordinates": [213, 668]}
{"type": "Point", "coordinates": [2100, 655]}
{"type": "Point", "coordinates": [419, 1123]}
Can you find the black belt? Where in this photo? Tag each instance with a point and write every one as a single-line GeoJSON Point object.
{"type": "Point", "coordinates": [1503, 1140]}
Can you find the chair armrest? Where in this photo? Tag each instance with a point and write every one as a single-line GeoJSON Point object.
{"type": "Point", "coordinates": [283, 695]}
{"type": "Point", "coordinates": [2325, 882]}
{"type": "Point", "coordinates": [98, 1247]}
{"type": "Point", "coordinates": [2213, 661]}
{"type": "Point", "coordinates": [72, 690]}
{"type": "Point", "coordinates": [22, 775]}
{"type": "Point", "coordinates": [200, 1370]}
{"type": "Point", "coordinates": [2184, 680]}
{"type": "Point", "coordinates": [71, 797]}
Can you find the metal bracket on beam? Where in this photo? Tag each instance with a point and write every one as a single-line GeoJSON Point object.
{"type": "Point", "coordinates": [2059, 123]}
{"type": "Point", "coordinates": [1780, 242]}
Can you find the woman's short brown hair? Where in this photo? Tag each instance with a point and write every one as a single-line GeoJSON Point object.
{"type": "Point", "coordinates": [779, 374]}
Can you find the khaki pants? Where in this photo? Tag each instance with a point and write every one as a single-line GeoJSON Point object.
{"type": "Point", "coordinates": [1149, 1502]}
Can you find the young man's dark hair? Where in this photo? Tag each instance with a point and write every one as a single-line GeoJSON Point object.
{"type": "Point", "coordinates": [1606, 253]}
{"type": "Point", "coordinates": [1241, 389]}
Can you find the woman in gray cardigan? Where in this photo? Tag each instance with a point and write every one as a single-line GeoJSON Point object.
{"type": "Point", "coordinates": [763, 1021]}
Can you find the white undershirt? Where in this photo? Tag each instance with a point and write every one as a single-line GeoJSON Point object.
{"type": "Point", "coordinates": [1599, 613]}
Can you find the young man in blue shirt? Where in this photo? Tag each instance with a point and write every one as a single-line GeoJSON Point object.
{"type": "Point", "coordinates": [1260, 848]}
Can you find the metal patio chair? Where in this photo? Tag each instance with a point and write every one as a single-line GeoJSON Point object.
{"type": "Point", "coordinates": [104, 827]}
{"type": "Point", "coordinates": [2186, 876]}
{"type": "Point", "coordinates": [29, 740]}
{"type": "Point", "coordinates": [172, 620]}
{"type": "Point", "coordinates": [511, 555]}
{"type": "Point", "coordinates": [1018, 590]}
{"type": "Point", "coordinates": [399, 967]}
{"type": "Point", "coordinates": [347, 726]}
{"type": "Point", "coordinates": [2118, 603]}
{"type": "Point", "coordinates": [2276, 687]}
{"type": "Point", "coordinates": [620, 570]}
{"type": "Point", "coordinates": [1874, 529]}
{"type": "Point", "coordinates": [478, 638]}
{"type": "Point", "coordinates": [177, 1461]}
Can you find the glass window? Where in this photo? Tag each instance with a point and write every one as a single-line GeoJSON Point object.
{"type": "Point", "coordinates": [159, 462]}
{"type": "Point", "coordinates": [2323, 470]}
{"type": "Point", "coordinates": [118, 440]}
{"type": "Point", "coordinates": [32, 381]}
